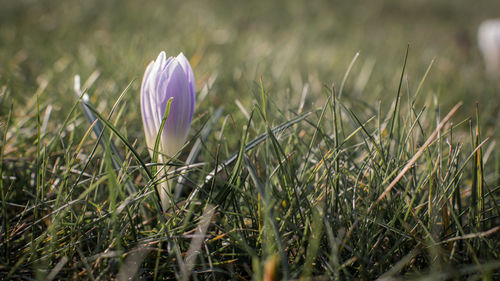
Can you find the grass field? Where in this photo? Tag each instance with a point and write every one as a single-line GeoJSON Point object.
{"type": "Point", "coordinates": [331, 140]}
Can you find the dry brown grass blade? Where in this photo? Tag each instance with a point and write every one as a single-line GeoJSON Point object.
{"type": "Point", "coordinates": [417, 155]}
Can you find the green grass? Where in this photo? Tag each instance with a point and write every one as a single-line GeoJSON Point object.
{"type": "Point", "coordinates": [305, 160]}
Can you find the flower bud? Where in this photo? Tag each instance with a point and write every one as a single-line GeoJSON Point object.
{"type": "Point", "coordinates": [167, 78]}
{"type": "Point", "coordinates": [489, 45]}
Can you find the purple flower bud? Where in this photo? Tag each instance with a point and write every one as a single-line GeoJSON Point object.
{"type": "Point", "coordinates": [167, 78]}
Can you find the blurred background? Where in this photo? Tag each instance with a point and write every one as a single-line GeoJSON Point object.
{"type": "Point", "coordinates": [232, 44]}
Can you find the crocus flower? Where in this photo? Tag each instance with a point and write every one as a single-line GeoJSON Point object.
{"type": "Point", "coordinates": [167, 78]}
{"type": "Point", "coordinates": [489, 45]}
